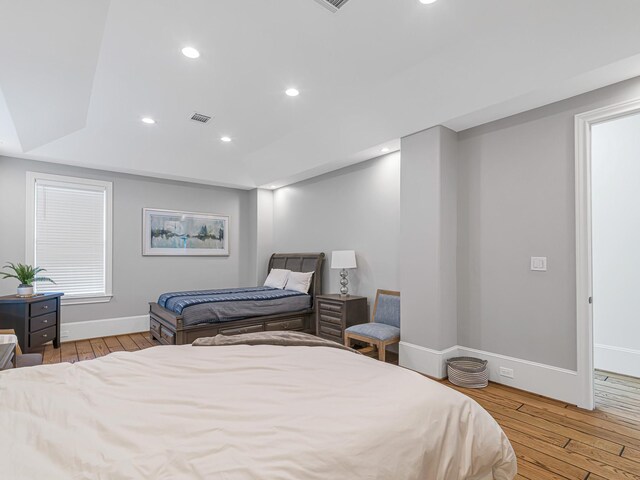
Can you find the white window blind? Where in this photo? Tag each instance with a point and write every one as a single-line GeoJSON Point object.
{"type": "Point", "coordinates": [71, 235]}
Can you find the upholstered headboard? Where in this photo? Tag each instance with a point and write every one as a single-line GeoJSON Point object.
{"type": "Point", "coordinates": [301, 262]}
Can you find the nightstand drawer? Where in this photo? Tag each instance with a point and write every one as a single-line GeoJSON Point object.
{"type": "Point", "coordinates": [40, 308]}
{"type": "Point", "coordinates": [330, 319]}
{"type": "Point", "coordinates": [43, 336]}
{"type": "Point", "coordinates": [43, 321]}
{"type": "Point", "coordinates": [330, 329]}
{"type": "Point", "coordinates": [330, 337]}
{"type": "Point", "coordinates": [291, 324]}
{"type": "Point", "coordinates": [330, 307]}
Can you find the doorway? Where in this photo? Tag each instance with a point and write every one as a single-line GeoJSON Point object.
{"type": "Point", "coordinates": [608, 251]}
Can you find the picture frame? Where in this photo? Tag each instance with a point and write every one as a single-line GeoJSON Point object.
{"type": "Point", "coordinates": [180, 233]}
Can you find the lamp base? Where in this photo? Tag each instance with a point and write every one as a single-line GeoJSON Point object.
{"type": "Point", "coordinates": [344, 282]}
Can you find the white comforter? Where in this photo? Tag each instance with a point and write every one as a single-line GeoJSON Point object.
{"type": "Point", "coordinates": [242, 412]}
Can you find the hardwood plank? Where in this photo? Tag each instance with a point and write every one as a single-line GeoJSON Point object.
{"type": "Point", "coordinates": [577, 460]}
{"type": "Point", "coordinates": [128, 344]}
{"type": "Point", "coordinates": [51, 355]}
{"type": "Point", "coordinates": [85, 352]}
{"type": "Point", "coordinates": [524, 396]}
{"type": "Point", "coordinates": [477, 393]}
{"type": "Point", "coordinates": [551, 426]}
{"type": "Point", "coordinates": [621, 463]}
{"type": "Point", "coordinates": [539, 433]}
{"type": "Point", "coordinates": [113, 344]}
{"type": "Point", "coordinates": [100, 348]}
{"type": "Point", "coordinates": [618, 376]}
{"type": "Point", "coordinates": [547, 462]}
{"type": "Point", "coordinates": [607, 432]}
{"type": "Point", "coordinates": [631, 454]}
{"type": "Point", "coordinates": [617, 389]}
{"type": "Point", "coordinates": [535, 472]}
{"type": "Point", "coordinates": [140, 341]}
{"type": "Point", "coordinates": [68, 352]}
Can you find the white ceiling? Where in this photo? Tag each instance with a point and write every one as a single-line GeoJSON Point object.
{"type": "Point", "coordinates": [76, 76]}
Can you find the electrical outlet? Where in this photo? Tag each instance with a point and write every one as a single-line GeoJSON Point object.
{"type": "Point", "coordinates": [506, 372]}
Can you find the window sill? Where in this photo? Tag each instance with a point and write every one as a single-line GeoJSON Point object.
{"type": "Point", "coordinates": [85, 300]}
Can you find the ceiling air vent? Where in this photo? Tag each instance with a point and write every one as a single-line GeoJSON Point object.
{"type": "Point", "coordinates": [200, 117]}
{"type": "Point", "coordinates": [333, 5]}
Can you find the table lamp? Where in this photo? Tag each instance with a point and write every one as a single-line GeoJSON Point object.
{"type": "Point", "coordinates": [343, 259]}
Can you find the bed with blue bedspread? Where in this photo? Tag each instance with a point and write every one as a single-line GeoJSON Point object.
{"type": "Point", "coordinates": [182, 317]}
{"type": "Point", "coordinates": [223, 305]}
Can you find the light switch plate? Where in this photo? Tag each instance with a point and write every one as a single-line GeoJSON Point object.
{"type": "Point", "coordinates": [539, 264]}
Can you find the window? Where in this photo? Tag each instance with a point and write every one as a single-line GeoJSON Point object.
{"type": "Point", "coordinates": [69, 235]}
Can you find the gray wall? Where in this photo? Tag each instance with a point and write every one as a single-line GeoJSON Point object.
{"type": "Point", "coordinates": [516, 200]}
{"type": "Point", "coordinates": [136, 279]}
{"type": "Point", "coordinates": [429, 236]}
{"type": "Point", "coordinates": [355, 208]}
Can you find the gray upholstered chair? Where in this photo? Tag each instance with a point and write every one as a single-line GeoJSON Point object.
{"type": "Point", "coordinates": [384, 328]}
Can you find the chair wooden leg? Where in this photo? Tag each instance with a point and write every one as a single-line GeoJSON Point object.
{"type": "Point", "coordinates": [347, 340]}
{"type": "Point", "coordinates": [382, 352]}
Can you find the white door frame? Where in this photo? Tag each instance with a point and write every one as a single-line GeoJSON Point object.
{"type": "Point", "coordinates": [584, 260]}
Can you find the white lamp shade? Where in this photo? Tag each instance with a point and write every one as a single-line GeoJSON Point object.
{"type": "Point", "coordinates": [343, 259]}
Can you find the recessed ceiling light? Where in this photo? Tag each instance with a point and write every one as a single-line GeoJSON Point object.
{"type": "Point", "coordinates": [385, 150]}
{"type": "Point", "coordinates": [292, 92]}
{"type": "Point", "coordinates": [148, 120]}
{"type": "Point", "coordinates": [225, 139]}
{"type": "Point", "coordinates": [190, 52]}
{"type": "Point", "coordinates": [428, 2]}
{"type": "Point", "coordinates": [272, 187]}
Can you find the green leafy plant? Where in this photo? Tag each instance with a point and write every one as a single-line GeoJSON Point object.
{"type": "Point", "coordinates": [25, 274]}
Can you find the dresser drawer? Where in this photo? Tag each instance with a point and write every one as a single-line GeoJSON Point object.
{"type": "Point", "coordinates": [42, 321]}
{"type": "Point", "coordinates": [43, 336]}
{"type": "Point", "coordinates": [291, 324]}
{"type": "Point", "coordinates": [330, 329]}
{"type": "Point", "coordinates": [240, 330]}
{"type": "Point", "coordinates": [167, 337]}
{"type": "Point", "coordinates": [40, 308]}
{"type": "Point", "coordinates": [154, 327]}
{"type": "Point", "coordinates": [330, 307]}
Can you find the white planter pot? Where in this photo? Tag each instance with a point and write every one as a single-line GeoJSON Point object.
{"type": "Point", "coordinates": [25, 290]}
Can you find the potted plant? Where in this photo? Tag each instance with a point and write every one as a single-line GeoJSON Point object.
{"type": "Point", "coordinates": [26, 275]}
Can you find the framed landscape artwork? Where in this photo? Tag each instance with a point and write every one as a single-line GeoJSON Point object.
{"type": "Point", "coordinates": [169, 232]}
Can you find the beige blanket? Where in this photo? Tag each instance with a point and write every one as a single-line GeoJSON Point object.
{"type": "Point", "coordinates": [283, 339]}
{"type": "Point", "coordinates": [242, 412]}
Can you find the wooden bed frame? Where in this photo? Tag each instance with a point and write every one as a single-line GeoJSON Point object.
{"type": "Point", "coordinates": [168, 328]}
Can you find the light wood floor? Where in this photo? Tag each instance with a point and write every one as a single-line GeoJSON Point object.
{"type": "Point", "coordinates": [553, 440]}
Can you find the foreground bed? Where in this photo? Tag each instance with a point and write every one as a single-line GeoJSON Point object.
{"type": "Point", "coordinates": [243, 412]}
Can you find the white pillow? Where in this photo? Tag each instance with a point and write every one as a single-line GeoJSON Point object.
{"type": "Point", "coordinates": [299, 281]}
{"type": "Point", "coordinates": [277, 278]}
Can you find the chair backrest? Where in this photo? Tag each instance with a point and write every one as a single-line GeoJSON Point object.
{"type": "Point", "coordinates": [387, 308]}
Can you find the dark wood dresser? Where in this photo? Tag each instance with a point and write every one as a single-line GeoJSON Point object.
{"type": "Point", "coordinates": [36, 320]}
{"type": "Point", "coordinates": [335, 313]}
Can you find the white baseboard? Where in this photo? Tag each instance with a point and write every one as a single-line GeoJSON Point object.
{"type": "Point", "coordinates": [625, 361]}
{"type": "Point", "coordinates": [103, 328]}
{"type": "Point", "coordinates": [425, 360]}
{"type": "Point", "coordinates": [539, 378]}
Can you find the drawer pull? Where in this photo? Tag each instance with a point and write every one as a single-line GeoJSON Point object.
{"type": "Point", "coordinates": [44, 335]}
{"type": "Point", "coordinates": [46, 307]}
{"type": "Point", "coordinates": [45, 321]}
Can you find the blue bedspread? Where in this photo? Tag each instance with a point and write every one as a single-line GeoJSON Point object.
{"type": "Point", "coordinates": [178, 301]}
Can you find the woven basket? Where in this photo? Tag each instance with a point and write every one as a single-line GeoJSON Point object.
{"type": "Point", "coordinates": [468, 372]}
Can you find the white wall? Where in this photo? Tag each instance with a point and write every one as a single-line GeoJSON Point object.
{"type": "Point", "coordinates": [355, 208]}
{"type": "Point", "coordinates": [616, 244]}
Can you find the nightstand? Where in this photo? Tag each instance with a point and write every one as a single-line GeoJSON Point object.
{"type": "Point", "coordinates": [36, 320]}
{"type": "Point", "coordinates": [335, 313]}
